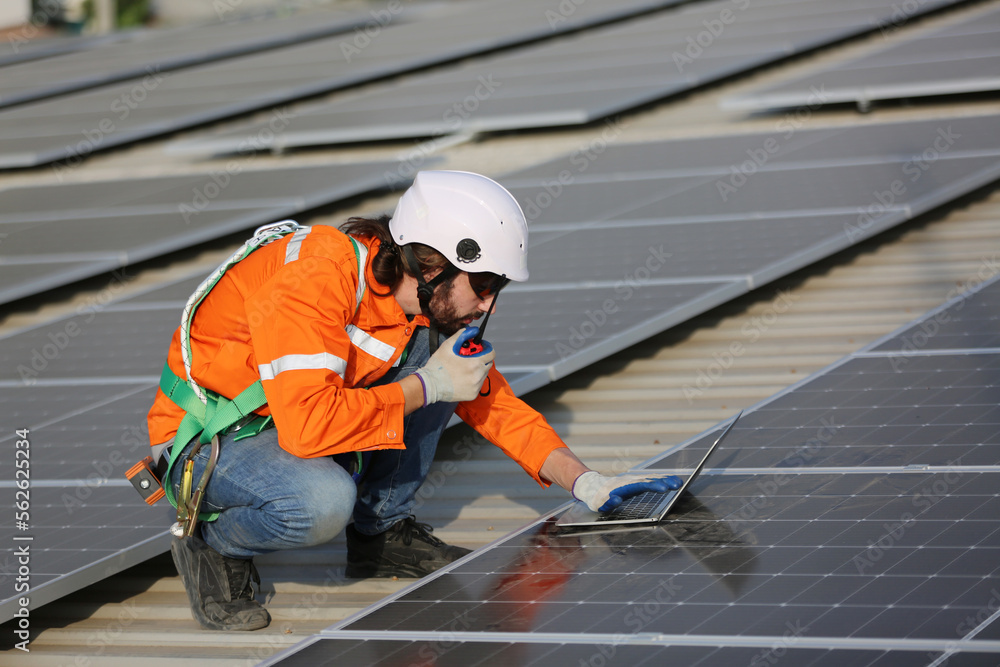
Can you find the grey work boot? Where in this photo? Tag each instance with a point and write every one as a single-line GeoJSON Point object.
{"type": "Point", "coordinates": [220, 589]}
{"type": "Point", "coordinates": [407, 549]}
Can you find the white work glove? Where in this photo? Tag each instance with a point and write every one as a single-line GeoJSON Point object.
{"type": "Point", "coordinates": [448, 377]}
{"type": "Point", "coordinates": [602, 493]}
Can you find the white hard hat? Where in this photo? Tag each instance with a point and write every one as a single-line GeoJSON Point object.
{"type": "Point", "coordinates": [470, 219]}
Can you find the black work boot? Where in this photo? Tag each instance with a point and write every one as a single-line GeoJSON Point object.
{"type": "Point", "coordinates": [406, 550]}
{"type": "Point", "coordinates": [220, 589]}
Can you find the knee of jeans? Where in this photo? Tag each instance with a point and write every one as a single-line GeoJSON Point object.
{"type": "Point", "coordinates": [324, 513]}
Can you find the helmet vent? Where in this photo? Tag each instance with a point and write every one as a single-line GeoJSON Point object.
{"type": "Point", "coordinates": [468, 251]}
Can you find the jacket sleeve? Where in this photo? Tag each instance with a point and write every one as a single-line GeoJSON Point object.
{"type": "Point", "coordinates": [513, 426]}
{"type": "Point", "coordinates": [297, 323]}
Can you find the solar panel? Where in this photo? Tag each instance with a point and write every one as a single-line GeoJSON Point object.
{"type": "Point", "coordinates": [608, 229]}
{"type": "Point", "coordinates": [56, 234]}
{"type": "Point", "coordinates": [447, 651]}
{"type": "Point", "coordinates": [24, 44]}
{"type": "Point", "coordinates": [963, 57]}
{"type": "Point", "coordinates": [925, 396]}
{"type": "Point", "coordinates": [966, 323]}
{"type": "Point", "coordinates": [834, 559]}
{"type": "Point", "coordinates": [579, 307]}
{"type": "Point", "coordinates": [72, 127]}
{"type": "Point", "coordinates": [574, 80]}
{"type": "Point", "coordinates": [154, 51]}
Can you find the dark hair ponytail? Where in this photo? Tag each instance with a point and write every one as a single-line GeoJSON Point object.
{"type": "Point", "coordinates": [388, 266]}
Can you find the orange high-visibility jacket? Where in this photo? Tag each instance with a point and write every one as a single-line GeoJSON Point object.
{"type": "Point", "coordinates": [288, 315]}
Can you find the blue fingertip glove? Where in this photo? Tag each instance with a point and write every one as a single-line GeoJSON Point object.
{"type": "Point", "coordinates": [603, 494]}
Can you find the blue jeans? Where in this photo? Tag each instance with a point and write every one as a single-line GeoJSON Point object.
{"type": "Point", "coordinates": [270, 500]}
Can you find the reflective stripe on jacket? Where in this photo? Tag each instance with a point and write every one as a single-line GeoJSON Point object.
{"type": "Point", "coordinates": [286, 315]}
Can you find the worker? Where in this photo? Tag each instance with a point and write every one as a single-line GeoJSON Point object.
{"type": "Point", "coordinates": [345, 331]}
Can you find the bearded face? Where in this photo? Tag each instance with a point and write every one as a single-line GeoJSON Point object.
{"type": "Point", "coordinates": [443, 311]}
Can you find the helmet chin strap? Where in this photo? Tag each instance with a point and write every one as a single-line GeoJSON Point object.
{"type": "Point", "coordinates": [425, 289]}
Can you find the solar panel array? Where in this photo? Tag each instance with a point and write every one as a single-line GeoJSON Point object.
{"type": "Point", "coordinates": [577, 79]}
{"type": "Point", "coordinates": [960, 58]}
{"type": "Point", "coordinates": [155, 51]}
{"type": "Point", "coordinates": [877, 561]}
{"type": "Point", "coordinates": [72, 127]}
{"type": "Point", "coordinates": [56, 234]}
{"type": "Point", "coordinates": [630, 239]}
{"type": "Point", "coordinates": [640, 239]}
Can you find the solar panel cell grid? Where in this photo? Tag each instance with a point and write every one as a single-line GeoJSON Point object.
{"type": "Point", "coordinates": [730, 563]}
{"type": "Point", "coordinates": [958, 58]}
{"type": "Point", "coordinates": [924, 410]}
{"type": "Point", "coordinates": [968, 324]}
{"type": "Point", "coordinates": [557, 82]}
{"type": "Point", "coordinates": [446, 652]}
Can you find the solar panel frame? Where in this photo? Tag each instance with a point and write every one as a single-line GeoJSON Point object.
{"type": "Point", "coordinates": [893, 558]}
{"type": "Point", "coordinates": [553, 83]}
{"type": "Point", "coordinates": [943, 61]}
{"type": "Point", "coordinates": [67, 396]}
{"type": "Point", "coordinates": [524, 650]}
{"type": "Point", "coordinates": [71, 128]}
{"type": "Point", "coordinates": [106, 225]}
{"type": "Point", "coordinates": [140, 52]}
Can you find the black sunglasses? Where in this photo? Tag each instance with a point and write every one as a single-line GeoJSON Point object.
{"type": "Point", "coordinates": [485, 283]}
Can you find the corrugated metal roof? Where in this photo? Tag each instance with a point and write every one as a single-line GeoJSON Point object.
{"type": "Point", "coordinates": [614, 414]}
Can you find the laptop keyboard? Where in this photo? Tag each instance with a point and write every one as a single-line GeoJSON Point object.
{"type": "Point", "coordinates": [637, 507]}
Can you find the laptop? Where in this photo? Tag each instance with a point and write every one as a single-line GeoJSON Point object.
{"type": "Point", "coordinates": [645, 508]}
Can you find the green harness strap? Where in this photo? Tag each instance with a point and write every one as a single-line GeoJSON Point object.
{"type": "Point", "coordinates": [218, 414]}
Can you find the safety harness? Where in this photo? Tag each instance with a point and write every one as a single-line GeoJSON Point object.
{"type": "Point", "coordinates": [209, 414]}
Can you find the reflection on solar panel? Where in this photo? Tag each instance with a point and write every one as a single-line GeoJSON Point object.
{"type": "Point", "coordinates": [447, 650]}
{"type": "Point", "coordinates": [662, 265]}
{"type": "Point", "coordinates": [154, 51]}
{"type": "Point", "coordinates": [870, 563]}
{"type": "Point", "coordinates": [56, 234]}
{"type": "Point", "coordinates": [578, 79]}
{"type": "Point", "coordinates": [961, 58]}
{"type": "Point", "coordinates": [72, 127]}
